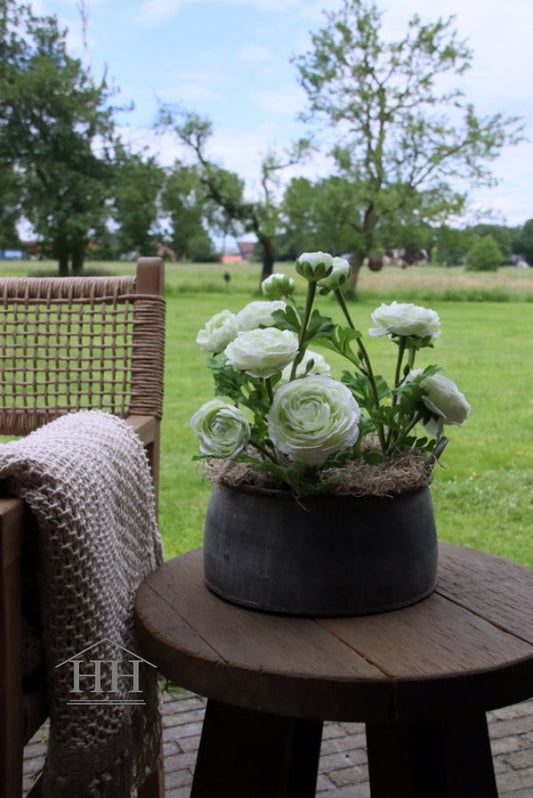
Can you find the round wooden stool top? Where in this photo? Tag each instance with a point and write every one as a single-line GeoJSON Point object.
{"type": "Point", "coordinates": [467, 648]}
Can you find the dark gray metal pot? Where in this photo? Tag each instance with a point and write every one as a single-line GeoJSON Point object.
{"type": "Point", "coordinates": [322, 555]}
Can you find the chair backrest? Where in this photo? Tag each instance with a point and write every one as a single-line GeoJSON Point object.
{"type": "Point", "coordinates": [80, 343]}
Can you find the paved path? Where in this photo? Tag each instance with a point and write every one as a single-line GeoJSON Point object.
{"type": "Point", "coordinates": [343, 770]}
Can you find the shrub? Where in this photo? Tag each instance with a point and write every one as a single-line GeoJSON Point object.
{"type": "Point", "coordinates": [484, 256]}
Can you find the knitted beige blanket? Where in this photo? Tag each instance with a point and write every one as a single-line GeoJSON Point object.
{"type": "Point", "coordinates": [87, 480]}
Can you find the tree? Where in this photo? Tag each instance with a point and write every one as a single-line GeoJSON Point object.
{"type": "Point", "coordinates": [406, 144]}
{"type": "Point", "coordinates": [184, 199]}
{"type": "Point", "coordinates": [484, 255]}
{"type": "Point", "coordinates": [451, 245]}
{"type": "Point", "coordinates": [318, 215]}
{"type": "Point", "coordinates": [226, 190]}
{"type": "Point", "coordinates": [55, 133]}
{"type": "Point", "coordinates": [135, 206]}
{"type": "Point", "coordinates": [9, 204]}
{"type": "Point", "coordinates": [523, 241]}
{"type": "Point", "coordinates": [501, 235]}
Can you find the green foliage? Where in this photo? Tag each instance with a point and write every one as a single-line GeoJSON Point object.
{"type": "Point", "coordinates": [400, 142]}
{"type": "Point", "coordinates": [185, 200]}
{"type": "Point", "coordinates": [523, 241]}
{"type": "Point", "coordinates": [484, 256]}
{"type": "Point", "coordinates": [319, 214]}
{"type": "Point", "coordinates": [302, 420]}
{"type": "Point", "coordinates": [499, 233]}
{"type": "Point", "coordinates": [224, 191]}
{"type": "Point", "coordinates": [55, 132]}
{"type": "Point", "coordinates": [136, 189]}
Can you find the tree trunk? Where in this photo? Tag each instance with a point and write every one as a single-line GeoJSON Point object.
{"type": "Point", "coordinates": [77, 262]}
{"type": "Point", "coordinates": [63, 264]}
{"type": "Point", "coordinates": [356, 261]}
{"type": "Point", "coordinates": [269, 256]}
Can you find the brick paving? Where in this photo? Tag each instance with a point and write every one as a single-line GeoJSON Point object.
{"type": "Point", "coordinates": [343, 769]}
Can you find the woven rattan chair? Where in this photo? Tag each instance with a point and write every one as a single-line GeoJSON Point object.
{"type": "Point", "coordinates": [67, 344]}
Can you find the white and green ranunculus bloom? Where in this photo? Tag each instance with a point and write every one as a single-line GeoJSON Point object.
{"type": "Point", "coordinates": [313, 417]}
{"type": "Point", "coordinates": [314, 266]}
{"type": "Point", "coordinates": [278, 286]}
{"type": "Point", "coordinates": [444, 399]}
{"type": "Point", "coordinates": [311, 363]}
{"type": "Point", "coordinates": [258, 314]}
{"type": "Point", "coordinates": [337, 277]}
{"type": "Point", "coordinates": [262, 352]}
{"type": "Point", "coordinates": [223, 429]}
{"type": "Point", "coordinates": [404, 319]}
{"type": "Point", "coordinates": [217, 333]}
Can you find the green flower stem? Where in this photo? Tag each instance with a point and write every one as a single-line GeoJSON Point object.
{"type": "Point", "coordinates": [363, 354]}
{"type": "Point", "coordinates": [270, 392]}
{"type": "Point", "coordinates": [394, 438]}
{"type": "Point", "coordinates": [263, 451]}
{"type": "Point", "coordinates": [414, 421]}
{"type": "Point", "coordinates": [310, 298]}
{"type": "Point", "coordinates": [398, 375]}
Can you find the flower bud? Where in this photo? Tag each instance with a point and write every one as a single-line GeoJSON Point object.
{"type": "Point", "coordinates": [278, 286]}
{"type": "Point", "coordinates": [314, 266]}
{"type": "Point", "coordinates": [337, 277]}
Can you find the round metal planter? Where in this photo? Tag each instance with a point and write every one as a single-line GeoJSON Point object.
{"type": "Point", "coordinates": [320, 556]}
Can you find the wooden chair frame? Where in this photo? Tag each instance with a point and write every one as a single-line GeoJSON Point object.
{"type": "Point", "coordinates": [42, 321]}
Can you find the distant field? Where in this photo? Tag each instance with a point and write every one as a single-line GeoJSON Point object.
{"type": "Point", "coordinates": [448, 284]}
{"type": "Point", "coordinates": [483, 493]}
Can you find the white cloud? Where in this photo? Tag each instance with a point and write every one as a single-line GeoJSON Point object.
{"type": "Point", "coordinates": [255, 52]}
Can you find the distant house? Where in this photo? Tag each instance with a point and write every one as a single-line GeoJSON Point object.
{"type": "Point", "coordinates": [246, 249]}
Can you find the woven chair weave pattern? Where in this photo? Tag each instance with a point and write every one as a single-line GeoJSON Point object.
{"type": "Point", "coordinates": [71, 344]}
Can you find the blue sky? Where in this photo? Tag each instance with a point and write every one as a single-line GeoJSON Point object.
{"type": "Point", "coordinates": [229, 60]}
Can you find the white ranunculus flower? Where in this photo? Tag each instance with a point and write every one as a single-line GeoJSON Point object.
{"type": "Point", "coordinates": [312, 418]}
{"type": "Point", "coordinates": [278, 286]}
{"type": "Point", "coordinates": [339, 275]}
{"type": "Point", "coordinates": [320, 366]}
{"type": "Point", "coordinates": [223, 429]}
{"type": "Point", "coordinates": [443, 398]}
{"type": "Point", "coordinates": [262, 352]}
{"type": "Point", "coordinates": [218, 332]}
{"type": "Point", "coordinates": [314, 266]}
{"type": "Point", "coordinates": [400, 318]}
{"type": "Point", "coordinates": [258, 314]}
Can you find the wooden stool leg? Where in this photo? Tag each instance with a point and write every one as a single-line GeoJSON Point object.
{"type": "Point", "coordinates": [247, 754]}
{"type": "Point", "coordinates": [443, 760]}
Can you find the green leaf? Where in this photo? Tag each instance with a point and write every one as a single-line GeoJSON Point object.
{"type": "Point", "coordinates": [361, 387]}
{"type": "Point", "coordinates": [288, 319]}
{"type": "Point", "coordinates": [319, 326]}
{"type": "Point", "coordinates": [340, 340]}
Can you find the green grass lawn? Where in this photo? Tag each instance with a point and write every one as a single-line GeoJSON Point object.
{"type": "Point", "coordinates": [483, 491]}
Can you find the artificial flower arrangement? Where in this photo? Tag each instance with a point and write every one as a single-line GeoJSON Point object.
{"type": "Point", "coordinates": [286, 418]}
